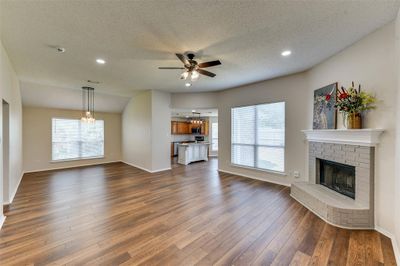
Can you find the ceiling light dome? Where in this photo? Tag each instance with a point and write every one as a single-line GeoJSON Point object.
{"type": "Point", "coordinates": [184, 75]}
{"type": "Point", "coordinates": [195, 75]}
{"type": "Point", "coordinates": [286, 53]}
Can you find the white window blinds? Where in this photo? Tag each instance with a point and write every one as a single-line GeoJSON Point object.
{"type": "Point", "coordinates": [73, 139]}
{"type": "Point", "coordinates": [258, 136]}
{"type": "Point", "coordinates": [214, 139]}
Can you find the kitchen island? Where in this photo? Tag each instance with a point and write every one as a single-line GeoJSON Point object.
{"type": "Point", "coordinates": [192, 152]}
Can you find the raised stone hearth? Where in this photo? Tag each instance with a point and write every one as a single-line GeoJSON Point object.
{"type": "Point", "coordinates": [349, 210]}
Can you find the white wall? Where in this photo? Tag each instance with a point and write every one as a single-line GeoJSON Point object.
{"type": "Point", "coordinates": [204, 100]}
{"type": "Point", "coordinates": [397, 157]}
{"type": "Point", "coordinates": [291, 90]}
{"type": "Point", "coordinates": [6, 149]}
{"type": "Point", "coordinates": [146, 131]}
{"type": "Point", "coordinates": [10, 92]}
{"type": "Point", "coordinates": [136, 131]}
{"type": "Point", "coordinates": [37, 138]}
{"type": "Point", "coordinates": [161, 130]}
{"type": "Point", "coordinates": [370, 62]}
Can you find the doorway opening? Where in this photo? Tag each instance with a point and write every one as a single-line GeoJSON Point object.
{"type": "Point", "coordinates": [194, 135]}
{"type": "Point", "coordinates": [6, 151]}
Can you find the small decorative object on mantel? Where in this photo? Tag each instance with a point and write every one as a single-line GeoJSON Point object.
{"type": "Point", "coordinates": [324, 116]}
{"type": "Point", "coordinates": [352, 103]}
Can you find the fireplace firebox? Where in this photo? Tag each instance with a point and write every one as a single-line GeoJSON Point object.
{"type": "Point", "coordinates": [338, 177]}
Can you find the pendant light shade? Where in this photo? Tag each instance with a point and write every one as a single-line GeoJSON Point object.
{"type": "Point", "coordinates": [88, 105]}
{"type": "Point", "coordinates": [196, 120]}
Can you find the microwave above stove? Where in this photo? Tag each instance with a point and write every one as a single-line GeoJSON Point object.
{"type": "Point", "coordinates": [196, 130]}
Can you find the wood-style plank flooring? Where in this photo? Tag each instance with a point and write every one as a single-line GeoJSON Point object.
{"type": "Point", "coordinates": [115, 214]}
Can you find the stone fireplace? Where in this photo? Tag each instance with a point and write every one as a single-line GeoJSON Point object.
{"type": "Point", "coordinates": [340, 188]}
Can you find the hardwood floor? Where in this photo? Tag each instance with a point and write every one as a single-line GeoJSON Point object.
{"type": "Point", "coordinates": [115, 214]}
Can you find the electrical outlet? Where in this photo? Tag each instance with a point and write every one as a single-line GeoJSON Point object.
{"type": "Point", "coordinates": [296, 174]}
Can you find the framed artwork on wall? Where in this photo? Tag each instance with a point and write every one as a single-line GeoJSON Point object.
{"type": "Point", "coordinates": [324, 114]}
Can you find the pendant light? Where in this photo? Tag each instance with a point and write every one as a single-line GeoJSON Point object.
{"type": "Point", "coordinates": [196, 120]}
{"type": "Point", "coordinates": [88, 105]}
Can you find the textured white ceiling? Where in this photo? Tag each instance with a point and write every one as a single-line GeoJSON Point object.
{"type": "Point", "coordinates": [39, 95]}
{"type": "Point", "coordinates": [135, 37]}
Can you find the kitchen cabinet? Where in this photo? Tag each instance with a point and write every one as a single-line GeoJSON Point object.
{"type": "Point", "coordinates": [174, 127]}
{"type": "Point", "coordinates": [180, 128]}
{"type": "Point", "coordinates": [192, 152]}
{"type": "Point", "coordinates": [183, 127]}
{"type": "Point", "coordinates": [204, 128]}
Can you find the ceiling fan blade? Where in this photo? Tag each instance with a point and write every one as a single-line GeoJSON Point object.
{"type": "Point", "coordinates": [171, 68]}
{"type": "Point", "coordinates": [182, 58]}
{"type": "Point", "coordinates": [206, 73]}
{"type": "Point", "coordinates": [209, 64]}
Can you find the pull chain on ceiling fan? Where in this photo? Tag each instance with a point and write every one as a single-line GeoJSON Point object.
{"type": "Point", "coordinates": [192, 68]}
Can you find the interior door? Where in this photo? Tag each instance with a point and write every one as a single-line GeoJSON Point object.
{"type": "Point", "coordinates": [6, 150]}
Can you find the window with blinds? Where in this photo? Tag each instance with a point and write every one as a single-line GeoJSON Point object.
{"type": "Point", "coordinates": [258, 136]}
{"type": "Point", "coordinates": [214, 139]}
{"type": "Point", "coordinates": [73, 139]}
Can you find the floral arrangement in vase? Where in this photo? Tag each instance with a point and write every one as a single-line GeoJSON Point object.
{"type": "Point", "coordinates": [352, 102]}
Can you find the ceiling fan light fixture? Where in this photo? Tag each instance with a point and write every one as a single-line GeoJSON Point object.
{"type": "Point", "coordinates": [194, 75]}
{"type": "Point", "coordinates": [184, 75]}
{"type": "Point", "coordinates": [192, 68]}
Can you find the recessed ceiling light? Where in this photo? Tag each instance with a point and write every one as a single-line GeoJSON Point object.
{"type": "Point", "coordinates": [187, 116]}
{"type": "Point", "coordinates": [100, 61]}
{"type": "Point", "coordinates": [286, 53]}
{"type": "Point", "coordinates": [193, 111]}
{"type": "Point", "coordinates": [188, 84]}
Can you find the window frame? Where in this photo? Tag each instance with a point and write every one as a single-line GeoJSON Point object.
{"type": "Point", "coordinates": [283, 172]}
{"type": "Point", "coordinates": [213, 136]}
{"type": "Point", "coordinates": [80, 143]}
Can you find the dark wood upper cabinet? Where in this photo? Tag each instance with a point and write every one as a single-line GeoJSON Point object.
{"type": "Point", "coordinates": [174, 127]}
{"type": "Point", "coordinates": [180, 128]}
{"type": "Point", "coordinates": [183, 128]}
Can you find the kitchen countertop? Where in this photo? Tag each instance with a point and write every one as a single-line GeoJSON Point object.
{"type": "Point", "coordinates": [194, 143]}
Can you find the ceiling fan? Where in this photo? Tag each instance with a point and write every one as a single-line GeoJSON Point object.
{"type": "Point", "coordinates": [193, 68]}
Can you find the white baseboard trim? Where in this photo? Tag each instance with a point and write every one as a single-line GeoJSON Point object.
{"type": "Point", "coordinates": [11, 198]}
{"type": "Point", "coordinates": [161, 170]}
{"type": "Point", "coordinates": [395, 245]}
{"type": "Point", "coordinates": [71, 166]}
{"type": "Point", "coordinates": [2, 219]}
{"type": "Point", "coordinates": [147, 170]}
{"type": "Point", "coordinates": [254, 177]}
{"type": "Point", "coordinates": [136, 166]}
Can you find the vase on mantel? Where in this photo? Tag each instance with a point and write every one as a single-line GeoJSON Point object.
{"type": "Point", "coordinates": [353, 121]}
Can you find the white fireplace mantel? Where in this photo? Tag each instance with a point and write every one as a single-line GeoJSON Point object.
{"type": "Point", "coordinates": [362, 137]}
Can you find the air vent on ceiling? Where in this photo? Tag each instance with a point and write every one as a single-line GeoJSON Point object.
{"type": "Point", "coordinates": [93, 81]}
